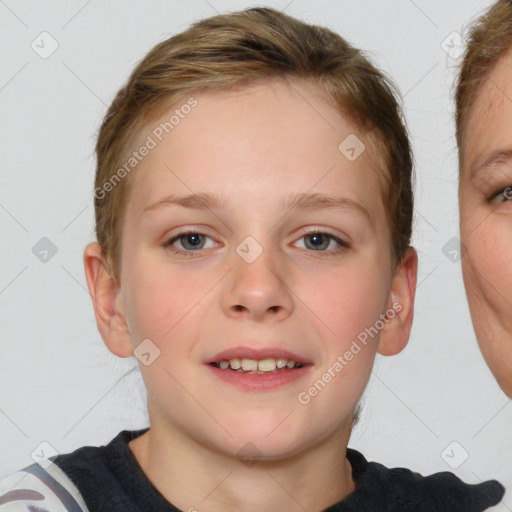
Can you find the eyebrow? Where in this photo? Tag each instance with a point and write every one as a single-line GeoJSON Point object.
{"type": "Point", "coordinates": [305, 201]}
{"type": "Point", "coordinates": [498, 157]}
{"type": "Point", "coordinates": [199, 201]}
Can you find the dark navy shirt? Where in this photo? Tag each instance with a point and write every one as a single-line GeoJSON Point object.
{"type": "Point", "coordinates": [111, 480]}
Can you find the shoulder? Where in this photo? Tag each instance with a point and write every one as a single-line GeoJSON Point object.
{"type": "Point", "coordinates": [39, 488]}
{"type": "Point", "coordinates": [64, 483]}
{"type": "Point", "coordinates": [409, 490]}
{"type": "Point", "coordinates": [107, 477]}
{"type": "Point", "coordinates": [99, 472]}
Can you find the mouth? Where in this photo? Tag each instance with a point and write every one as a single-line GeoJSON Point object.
{"type": "Point", "coordinates": [259, 370]}
{"type": "Point", "coordinates": [265, 366]}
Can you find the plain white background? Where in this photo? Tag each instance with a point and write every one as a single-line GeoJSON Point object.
{"type": "Point", "coordinates": [59, 383]}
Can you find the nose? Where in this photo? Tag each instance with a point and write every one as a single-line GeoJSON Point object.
{"type": "Point", "coordinates": [258, 289]}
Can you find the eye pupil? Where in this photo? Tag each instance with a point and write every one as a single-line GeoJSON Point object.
{"type": "Point", "coordinates": [191, 239]}
{"type": "Point", "coordinates": [318, 240]}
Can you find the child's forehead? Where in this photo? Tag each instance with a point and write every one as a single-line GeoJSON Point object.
{"type": "Point", "coordinates": [276, 136]}
{"type": "Point", "coordinates": [271, 116]}
{"type": "Point", "coordinates": [271, 104]}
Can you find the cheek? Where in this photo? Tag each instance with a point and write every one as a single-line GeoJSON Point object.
{"type": "Point", "coordinates": [487, 265]}
{"type": "Point", "coordinates": [489, 248]}
{"type": "Point", "coordinates": [160, 299]}
{"type": "Point", "coordinates": [349, 302]}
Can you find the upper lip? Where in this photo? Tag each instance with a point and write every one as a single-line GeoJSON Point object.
{"type": "Point", "coordinates": [242, 352]}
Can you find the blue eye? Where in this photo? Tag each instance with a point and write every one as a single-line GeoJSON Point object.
{"type": "Point", "coordinates": [503, 196]}
{"type": "Point", "coordinates": [190, 242]}
{"type": "Point", "coordinates": [319, 241]}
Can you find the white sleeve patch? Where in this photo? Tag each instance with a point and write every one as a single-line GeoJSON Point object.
{"type": "Point", "coordinates": [35, 489]}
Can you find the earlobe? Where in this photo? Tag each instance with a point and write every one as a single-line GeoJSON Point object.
{"type": "Point", "coordinates": [400, 311]}
{"type": "Point", "coordinates": [107, 301]}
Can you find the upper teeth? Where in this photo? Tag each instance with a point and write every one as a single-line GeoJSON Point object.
{"type": "Point", "coordinates": [264, 365]}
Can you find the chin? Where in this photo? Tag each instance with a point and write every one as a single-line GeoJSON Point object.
{"type": "Point", "coordinates": [265, 450]}
{"type": "Point", "coordinates": [506, 388]}
{"type": "Point", "coordinates": [497, 351]}
{"type": "Point", "coordinates": [263, 440]}
{"type": "Point", "coordinates": [504, 379]}
{"type": "Point", "coordinates": [280, 442]}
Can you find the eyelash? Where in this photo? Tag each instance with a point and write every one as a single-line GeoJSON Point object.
{"type": "Point", "coordinates": [342, 245]}
{"type": "Point", "coordinates": [506, 192]}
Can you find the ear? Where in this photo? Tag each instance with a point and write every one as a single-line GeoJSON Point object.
{"type": "Point", "coordinates": [400, 309]}
{"type": "Point", "coordinates": [108, 302]}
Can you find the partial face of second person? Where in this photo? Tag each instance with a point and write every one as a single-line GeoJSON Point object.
{"type": "Point", "coordinates": [485, 195]}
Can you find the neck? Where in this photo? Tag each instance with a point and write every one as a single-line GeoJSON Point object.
{"type": "Point", "coordinates": [195, 478]}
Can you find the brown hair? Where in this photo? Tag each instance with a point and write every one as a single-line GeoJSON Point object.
{"type": "Point", "coordinates": [241, 48]}
{"type": "Point", "coordinates": [489, 39]}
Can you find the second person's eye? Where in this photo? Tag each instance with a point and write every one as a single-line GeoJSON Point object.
{"type": "Point", "coordinates": [503, 196]}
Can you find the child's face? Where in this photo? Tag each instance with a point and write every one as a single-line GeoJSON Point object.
{"type": "Point", "coordinates": [304, 298]}
{"type": "Point", "coordinates": [485, 194]}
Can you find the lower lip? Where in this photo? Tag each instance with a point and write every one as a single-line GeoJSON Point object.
{"type": "Point", "coordinates": [260, 381]}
